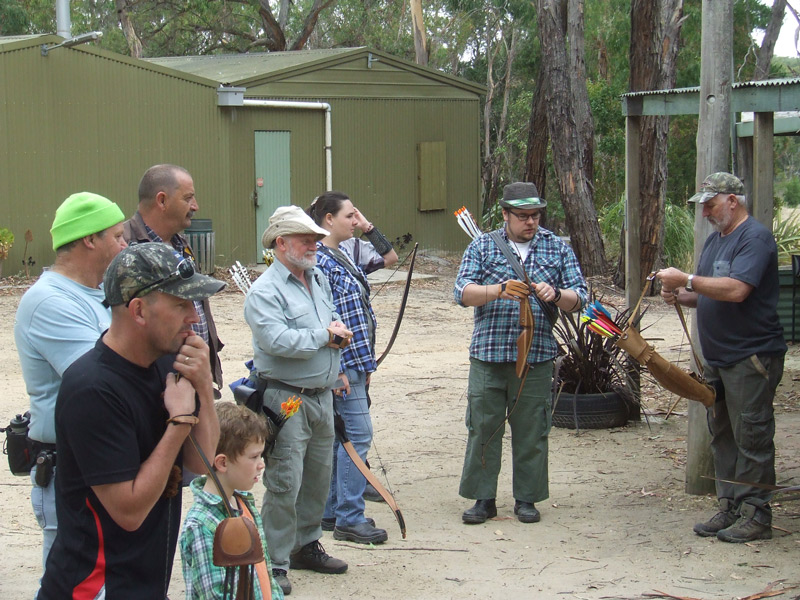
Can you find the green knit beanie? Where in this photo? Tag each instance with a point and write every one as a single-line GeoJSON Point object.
{"type": "Point", "coordinates": [83, 214]}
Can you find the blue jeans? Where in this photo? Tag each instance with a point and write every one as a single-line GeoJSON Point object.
{"type": "Point", "coordinates": [346, 498]}
{"type": "Point", "coordinates": [43, 501]}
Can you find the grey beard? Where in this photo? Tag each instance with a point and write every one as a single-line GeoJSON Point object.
{"type": "Point", "coordinates": [302, 263]}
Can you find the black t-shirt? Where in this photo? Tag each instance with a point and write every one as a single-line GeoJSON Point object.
{"type": "Point", "coordinates": [109, 416]}
{"type": "Point", "coordinates": [733, 331]}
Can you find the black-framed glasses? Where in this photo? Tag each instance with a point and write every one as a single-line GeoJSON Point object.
{"type": "Point", "coordinates": [525, 218]}
{"type": "Point", "coordinates": [184, 270]}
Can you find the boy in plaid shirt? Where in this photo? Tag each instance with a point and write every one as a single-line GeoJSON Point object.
{"type": "Point", "coordinates": [238, 465]}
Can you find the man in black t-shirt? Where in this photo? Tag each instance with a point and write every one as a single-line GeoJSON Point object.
{"type": "Point", "coordinates": [735, 290]}
{"type": "Point", "coordinates": [122, 423]}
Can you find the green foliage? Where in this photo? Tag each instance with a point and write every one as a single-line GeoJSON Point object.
{"type": "Point", "coordinates": [791, 192]}
{"type": "Point", "coordinates": [6, 241]}
{"type": "Point", "coordinates": [678, 232]}
{"type": "Point", "coordinates": [787, 234]}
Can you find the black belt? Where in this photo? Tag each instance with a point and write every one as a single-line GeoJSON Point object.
{"type": "Point", "coordinates": [279, 385]}
{"type": "Point", "coordinates": [39, 446]}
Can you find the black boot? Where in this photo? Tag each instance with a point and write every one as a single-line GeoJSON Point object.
{"type": "Point", "coordinates": [483, 509]}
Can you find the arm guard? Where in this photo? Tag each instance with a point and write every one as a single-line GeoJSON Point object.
{"type": "Point", "coordinates": [379, 241]}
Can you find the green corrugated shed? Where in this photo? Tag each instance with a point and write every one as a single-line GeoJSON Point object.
{"type": "Point", "coordinates": [83, 118]}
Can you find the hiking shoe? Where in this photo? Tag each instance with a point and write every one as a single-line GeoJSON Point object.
{"type": "Point", "coordinates": [526, 512]}
{"type": "Point", "coordinates": [482, 510]}
{"type": "Point", "coordinates": [724, 518]}
{"type": "Point", "coordinates": [329, 524]}
{"type": "Point", "coordinates": [715, 524]}
{"type": "Point", "coordinates": [279, 575]}
{"type": "Point", "coordinates": [748, 528]}
{"type": "Point", "coordinates": [371, 494]}
{"type": "Point", "coordinates": [360, 533]}
{"type": "Point", "coordinates": [313, 557]}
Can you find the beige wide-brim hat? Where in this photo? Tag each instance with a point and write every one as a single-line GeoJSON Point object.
{"type": "Point", "coordinates": [290, 220]}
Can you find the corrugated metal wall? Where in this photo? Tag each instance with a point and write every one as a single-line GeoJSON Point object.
{"type": "Point", "coordinates": [91, 120]}
{"type": "Point", "coordinates": [81, 121]}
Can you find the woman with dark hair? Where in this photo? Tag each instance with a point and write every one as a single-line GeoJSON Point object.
{"type": "Point", "coordinates": [334, 212]}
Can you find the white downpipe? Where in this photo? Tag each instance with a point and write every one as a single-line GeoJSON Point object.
{"type": "Point", "coordinates": [63, 20]}
{"type": "Point", "coordinates": [308, 106]}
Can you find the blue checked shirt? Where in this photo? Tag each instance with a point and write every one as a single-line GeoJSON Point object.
{"type": "Point", "coordinates": [203, 578]}
{"type": "Point", "coordinates": [494, 338]}
{"type": "Point", "coordinates": [201, 327]}
{"type": "Point", "coordinates": [357, 317]}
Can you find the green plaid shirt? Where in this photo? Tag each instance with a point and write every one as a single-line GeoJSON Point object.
{"type": "Point", "coordinates": [203, 578]}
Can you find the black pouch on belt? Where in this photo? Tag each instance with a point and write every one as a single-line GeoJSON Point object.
{"type": "Point", "coordinates": [45, 461]}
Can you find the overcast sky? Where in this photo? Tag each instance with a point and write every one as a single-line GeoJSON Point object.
{"type": "Point", "coordinates": [785, 45]}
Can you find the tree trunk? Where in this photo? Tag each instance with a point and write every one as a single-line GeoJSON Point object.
{"type": "Point", "coordinates": [418, 25]}
{"type": "Point", "coordinates": [310, 22]}
{"type": "Point", "coordinates": [538, 136]}
{"type": "Point", "coordinates": [767, 49]}
{"type": "Point", "coordinates": [653, 53]}
{"type": "Point", "coordinates": [580, 93]}
{"type": "Point", "coordinates": [568, 142]}
{"type": "Point", "coordinates": [134, 43]}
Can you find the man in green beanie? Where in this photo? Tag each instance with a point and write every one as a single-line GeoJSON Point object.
{"type": "Point", "coordinates": [59, 319]}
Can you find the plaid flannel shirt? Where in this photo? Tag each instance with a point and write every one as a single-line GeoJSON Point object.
{"type": "Point", "coordinates": [494, 338]}
{"type": "Point", "coordinates": [203, 578]}
{"type": "Point", "coordinates": [360, 354]}
{"type": "Point", "coordinates": [201, 327]}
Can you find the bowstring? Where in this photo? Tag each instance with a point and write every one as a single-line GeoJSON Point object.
{"type": "Point", "coordinates": [388, 279]}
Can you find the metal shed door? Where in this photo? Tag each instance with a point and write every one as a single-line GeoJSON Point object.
{"type": "Point", "coordinates": [273, 177]}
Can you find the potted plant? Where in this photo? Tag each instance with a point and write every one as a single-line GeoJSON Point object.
{"type": "Point", "coordinates": [592, 379]}
{"type": "Point", "coordinates": [6, 241]}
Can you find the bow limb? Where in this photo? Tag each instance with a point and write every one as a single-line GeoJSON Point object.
{"type": "Point", "coordinates": [402, 306]}
{"type": "Point", "coordinates": [341, 435]}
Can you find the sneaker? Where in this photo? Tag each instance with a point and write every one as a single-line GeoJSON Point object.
{"type": "Point", "coordinates": [280, 577]}
{"type": "Point", "coordinates": [748, 528]}
{"type": "Point", "coordinates": [526, 512]}
{"type": "Point", "coordinates": [313, 557]}
{"type": "Point", "coordinates": [371, 494]}
{"type": "Point", "coordinates": [482, 510]}
{"type": "Point", "coordinates": [724, 518]}
{"type": "Point", "coordinates": [329, 524]}
{"type": "Point", "coordinates": [361, 533]}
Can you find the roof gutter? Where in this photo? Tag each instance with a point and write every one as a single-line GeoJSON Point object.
{"type": "Point", "coordinates": [233, 96]}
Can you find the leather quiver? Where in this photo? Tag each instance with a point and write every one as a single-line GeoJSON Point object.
{"type": "Point", "coordinates": [237, 543]}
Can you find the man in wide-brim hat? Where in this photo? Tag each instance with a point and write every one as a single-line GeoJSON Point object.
{"type": "Point", "coordinates": [499, 271]}
{"type": "Point", "coordinates": [297, 341]}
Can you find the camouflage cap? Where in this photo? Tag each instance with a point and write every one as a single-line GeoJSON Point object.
{"type": "Point", "coordinates": [144, 268]}
{"type": "Point", "coordinates": [522, 195]}
{"type": "Point", "coordinates": [718, 183]}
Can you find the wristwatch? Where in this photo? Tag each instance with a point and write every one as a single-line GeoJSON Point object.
{"type": "Point", "coordinates": [689, 287]}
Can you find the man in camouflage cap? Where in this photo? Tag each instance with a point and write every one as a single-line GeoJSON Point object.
{"type": "Point", "coordinates": [735, 290]}
{"type": "Point", "coordinates": [123, 416]}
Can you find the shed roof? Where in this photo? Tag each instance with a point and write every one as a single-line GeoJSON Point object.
{"type": "Point", "coordinates": [769, 95]}
{"type": "Point", "coordinates": [258, 68]}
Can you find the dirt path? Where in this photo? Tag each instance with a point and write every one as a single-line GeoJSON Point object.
{"type": "Point", "coordinates": [617, 525]}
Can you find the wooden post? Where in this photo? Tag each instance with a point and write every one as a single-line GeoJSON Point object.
{"type": "Point", "coordinates": [633, 209]}
{"type": "Point", "coordinates": [713, 154]}
{"type": "Point", "coordinates": [763, 182]}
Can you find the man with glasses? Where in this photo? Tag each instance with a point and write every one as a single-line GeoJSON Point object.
{"type": "Point", "coordinates": [735, 291]}
{"type": "Point", "coordinates": [297, 341]}
{"type": "Point", "coordinates": [522, 262]}
{"type": "Point", "coordinates": [58, 320]}
{"type": "Point", "coordinates": [167, 204]}
{"type": "Point", "coordinates": [123, 417]}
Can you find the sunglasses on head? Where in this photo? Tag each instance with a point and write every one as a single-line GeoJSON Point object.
{"type": "Point", "coordinates": [184, 270]}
